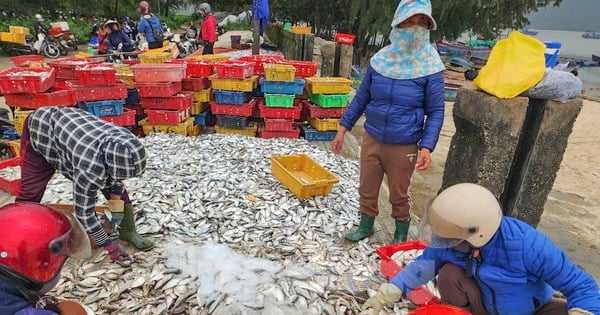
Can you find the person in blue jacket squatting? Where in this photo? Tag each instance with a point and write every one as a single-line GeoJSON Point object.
{"type": "Point", "coordinates": [489, 263]}
{"type": "Point", "coordinates": [403, 85]}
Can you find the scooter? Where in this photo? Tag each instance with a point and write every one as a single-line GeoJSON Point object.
{"type": "Point", "coordinates": [40, 46]}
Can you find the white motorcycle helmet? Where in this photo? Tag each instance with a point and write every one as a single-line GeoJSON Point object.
{"type": "Point", "coordinates": [204, 7]}
{"type": "Point", "coordinates": [38, 17]}
{"type": "Point", "coordinates": [463, 212]}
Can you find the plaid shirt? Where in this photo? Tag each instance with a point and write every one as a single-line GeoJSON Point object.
{"type": "Point", "coordinates": [92, 153]}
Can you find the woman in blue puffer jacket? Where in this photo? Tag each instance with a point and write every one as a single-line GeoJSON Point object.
{"type": "Point", "coordinates": [402, 95]}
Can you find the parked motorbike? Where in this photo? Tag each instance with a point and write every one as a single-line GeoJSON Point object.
{"type": "Point", "coordinates": [42, 46]}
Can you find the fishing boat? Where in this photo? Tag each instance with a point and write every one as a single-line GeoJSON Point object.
{"type": "Point", "coordinates": [530, 32]}
{"type": "Point", "coordinates": [451, 91]}
{"type": "Point", "coordinates": [595, 57]}
{"type": "Point", "coordinates": [591, 35]}
{"type": "Point", "coordinates": [467, 52]}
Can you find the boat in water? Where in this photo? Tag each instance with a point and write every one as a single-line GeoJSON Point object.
{"type": "Point", "coordinates": [591, 35]}
{"type": "Point", "coordinates": [463, 51]}
{"type": "Point", "coordinates": [530, 32]}
{"type": "Point", "coordinates": [595, 57]}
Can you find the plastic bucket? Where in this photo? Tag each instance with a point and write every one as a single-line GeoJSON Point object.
{"type": "Point", "coordinates": [551, 54]}
{"type": "Point", "coordinates": [287, 26]}
{"type": "Point", "coordinates": [236, 41]}
{"type": "Point", "coordinates": [439, 310]}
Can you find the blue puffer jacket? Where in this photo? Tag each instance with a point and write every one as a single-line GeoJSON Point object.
{"type": "Point", "coordinates": [13, 303]}
{"type": "Point", "coordinates": [517, 272]}
{"type": "Point", "coordinates": [396, 109]}
{"type": "Point", "coordinates": [146, 24]}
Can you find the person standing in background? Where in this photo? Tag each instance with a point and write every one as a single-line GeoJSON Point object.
{"type": "Point", "coordinates": [150, 26]}
{"type": "Point", "coordinates": [208, 28]}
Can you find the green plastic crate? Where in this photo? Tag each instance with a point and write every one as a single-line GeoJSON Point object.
{"type": "Point", "coordinates": [279, 100]}
{"type": "Point", "coordinates": [329, 100]}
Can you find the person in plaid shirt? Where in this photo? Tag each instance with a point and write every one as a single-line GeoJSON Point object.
{"type": "Point", "coordinates": [96, 156]}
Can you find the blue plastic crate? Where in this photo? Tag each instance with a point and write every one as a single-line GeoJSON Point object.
{"type": "Point", "coordinates": [104, 108]}
{"type": "Point", "coordinates": [276, 87]}
{"type": "Point", "coordinates": [231, 97]}
{"type": "Point", "coordinates": [311, 134]}
{"type": "Point", "coordinates": [133, 97]}
{"type": "Point", "coordinates": [203, 118]}
{"type": "Point", "coordinates": [11, 134]}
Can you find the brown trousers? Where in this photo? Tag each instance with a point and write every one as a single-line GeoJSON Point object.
{"type": "Point", "coordinates": [397, 161]}
{"type": "Point", "coordinates": [459, 290]}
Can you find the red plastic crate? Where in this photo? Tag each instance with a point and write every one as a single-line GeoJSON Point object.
{"type": "Point", "coordinates": [54, 97]}
{"type": "Point", "coordinates": [279, 124]}
{"type": "Point", "coordinates": [10, 186]}
{"type": "Point", "coordinates": [85, 93]}
{"type": "Point", "coordinates": [196, 68]}
{"type": "Point", "coordinates": [138, 109]}
{"type": "Point", "coordinates": [294, 133]}
{"type": "Point", "coordinates": [124, 120]}
{"type": "Point", "coordinates": [65, 67]}
{"type": "Point", "coordinates": [158, 72]}
{"type": "Point", "coordinates": [342, 38]}
{"type": "Point", "coordinates": [420, 296]}
{"type": "Point", "coordinates": [260, 60]}
{"type": "Point", "coordinates": [244, 110]}
{"type": "Point", "coordinates": [177, 101]}
{"type": "Point", "coordinates": [26, 60]}
{"type": "Point", "coordinates": [97, 74]}
{"type": "Point", "coordinates": [26, 80]}
{"type": "Point", "coordinates": [195, 84]}
{"type": "Point", "coordinates": [304, 68]}
{"type": "Point", "coordinates": [281, 112]}
{"type": "Point", "coordinates": [316, 111]}
{"type": "Point", "coordinates": [235, 69]}
{"type": "Point", "coordinates": [167, 117]}
{"type": "Point", "coordinates": [158, 89]}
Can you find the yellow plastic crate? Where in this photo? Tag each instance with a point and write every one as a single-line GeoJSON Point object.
{"type": "Point", "coordinates": [249, 131]}
{"type": "Point", "coordinates": [18, 30]}
{"type": "Point", "coordinates": [203, 96]}
{"type": "Point", "coordinates": [21, 114]}
{"type": "Point", "coordinates": [18, 125]}
{"type": "Point", "coordinates": [212, 57]}
{"type": "Point", "coordinates": [302, 175]}
{"type": "Point", "coordinates": [195, 131]}
{"type": "Point", "coordinates": [198, 107]}
{"type": "Point", "coordinates": [16, 147]}
{"type": "Point", "coordinates": [279, 72]}
{"type": "Point", "coordinates": [241, 85]}
{"type": "Point", "coordinates": [328, 85]}
{"type": "Point", "coordinates": [122, 68]}
{"type": "Point", "coordinates": [183, 128]}
{"type": "Point", "coordinates": [128, 79]}
{"type": "Point", "coordinates": [301, 29]}
{"type": "Point", "coordinates": [12, 38]}
{"type": "Point", "coordinates": [325, 124]}
{"type": "Point", "coordinates": [152, 57]}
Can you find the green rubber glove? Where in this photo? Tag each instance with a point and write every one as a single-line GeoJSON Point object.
{"type": "Point", "coordinates": [388, 295]}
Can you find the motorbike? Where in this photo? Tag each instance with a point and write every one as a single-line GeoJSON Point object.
{"type": "Point", "coordinates": [41, 46]}
{"type": "Point", "coordinates": [61, 34]}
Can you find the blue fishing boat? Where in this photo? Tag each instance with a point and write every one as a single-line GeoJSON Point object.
{"type": "Point", "coordinates": [530, 32]}
{"type": "Point", "coordinates": [464, 51]}
{"type": "Point", "coordinates": [591, 35]}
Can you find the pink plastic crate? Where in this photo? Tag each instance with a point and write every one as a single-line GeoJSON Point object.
{"type": "Point", "coordinates": [196, 68]}
{"type": "Point", "coordinates": [158, 89]}
{"type": "Point", "coordinates": [158, 72]}
{"type": "Point", "coordinates": [195, 84]}
{"type": "Point", "coordinates": [167, 117]}
{"type": "Point", "coordinates": [316, 111]}
{"type": "Point", "coordinates": [97, 74]}
{"type": "Point", "coordinates": [26, 80]}
{"type": "Point", "coordinates": [235, 69]}
{"type": "Point", "coordinates": [177, 101]}
{"type": "Point", "coordinates": [279, 124]}
{"type": "Point", "coordinates": [54, 97]}
{"type": "Point", "coordinates": [85, 93]}
{"type": "Point", "coordinates": [124, 120]}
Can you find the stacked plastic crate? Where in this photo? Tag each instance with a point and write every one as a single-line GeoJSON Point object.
{"type": "Point", "coordinates": [132, 102]}
{"type": "Point", "coordinates": [167, 107]}
{"type": "Point", "coordinates": [233, 106]}
{"type": "Point", "coordinates": [329, 98]}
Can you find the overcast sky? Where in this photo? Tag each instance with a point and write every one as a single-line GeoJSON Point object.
{"type": "Point", "coordinates": [572, 15]}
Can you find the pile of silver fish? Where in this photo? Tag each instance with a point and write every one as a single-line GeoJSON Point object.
{"type": "Point", "coordinates": [219, 189]}
{"type": "Point", "coordinates": [11, 173]}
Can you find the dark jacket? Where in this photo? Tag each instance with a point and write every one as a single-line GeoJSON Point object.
{"type": "Point", "coordinates": [13, 303]}
{"type": "Point", "coordinates": [119, 37]}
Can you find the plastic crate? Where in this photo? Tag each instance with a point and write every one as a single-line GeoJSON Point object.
{"type": "Point", "coordinates": [301, 29]}
{"type": "Point", "coordinates": [133, 97]}
{"type": "Point", "coordinates": [167, 117]}
{"type": "Point", "coordinates": [302, 175]}
{"type": "Point", "coordinates": [235, 122]}
{"type": "Point", "coordinates": [315, 111]}
{"type": "Point", "coordinates": [329, 100]}
{"type": "Point", "coordinates": [158, 89]}
{"type": "Point", "coordinates": [231, 97]}
{"type": "Point", "coordinates": [195, 131]}
{"type": "Point", "coordinates": [97, 74]}
{"type": "Point", "coordinates": [18, 125]}
{"type": "Point", "coordinates": [234, 69]}
{"type": "Point", "coordinates": [197, 68]}
{"type": "Point", "coordinates": [328, 85]}
{"type": "Point", "coordinates": [203, 96]}
{"type": "Point", "coordinates": [293, 133]}
{"type": "Point", "coordinates": [137, 108]}
{"type": "Point", "coordinates": [203, 118]}
{"type": "Point", "coordinates": [249, 131]}
{"type": "Point", "coordinates": [325, 124]}
{"type": "Point", "coordinates": [54, 97]}
{"type": "Point", "coordinates": [10, 186]}
{"type": "Point", "coordinates": [126, 79]}
{"type": "Point", "coordinates": [311, 134]}
{"type": "Point", "coordinates": [122, 68]}
{"type": "Point", "coordinates": [175, 102]}
{"type": "Point", "coordinates": [167, 72]}
{"type": "Point", "coordinates": [261, 60]}
{"type": "Point", "coordinates": [244, 110]}
{"type": "Point", "coordinates": [26, 80]}
{"type": "Point", "coordinates": [212, 57]}
{"type": "Point", "coordinates": [183, 128]}
{"type": "Point", "coordinates": [304, 69]}
{"type": "Point", "coordinates": [18, 30]}
{"type": "Point", "coordinates": [28, 60]}
{"type": "Point", "coordinates": [275, 87]}
{"type": "Point", "coordinates": [124, 120]}
{"type": "Point", "coordinates": [103, 108]}
{"type": "Point", "coordinates": [15, 146]}
{"type": "Point", "coordinates": [343, 38]}
{"type": "Point", "coordinates": [198, 107]}
{"type": "Point", "coordinates": [420, 296]}
{"type": "Point", "coordinates": [279, 124]}
{"type": "Point", "coordinates": [279, 100]}
{"type": "Point", "coordinates": [65, 67]}
{"type": "Point", "coordinates": [281, 112]}
{"type": "Point", "coordinates": [154, 57]}
{"type": "Point", "coordinates": [195, 84]}
{"type": "Point", "coordinates": [12, 38]}
{"type": "Point", "coordinates": [11, 134]}
{"type": "Point", "coordinates": [84, 93]}
{"type": "Point", "coordinates": [280, 72]}
{"type": "Point", "coordinates": [241, 85]}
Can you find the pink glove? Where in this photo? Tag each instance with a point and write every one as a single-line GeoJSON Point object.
{"type": "Point", "coordinates": [115, 252]}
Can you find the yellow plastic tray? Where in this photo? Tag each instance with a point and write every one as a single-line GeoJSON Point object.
{"type": "Point", "coordinates": [301, 29]}
{"type": "Point", "coordinates": [198, 107]}
{"type": "Point", "coordinates": [12, 38]}
{"type": "Point", "coordinates": [152, 57]}
{"type": "Point", "coordinates": [302, 175]}
{"type": "Point", "coordinates": [18, 125]}
{"type": "Point", "coordinates": [249, 131]}
{"type": "Point", "coordinates": [241, 85]}
{"type": "Point", "coordinates": [280, 72]}
{"type": "Point", "coordinates": [18, 30]}
{"type": "Point", "coordinates": [325, 124]}
{"type": "Point", "coordinates": [128, 79]}
{"type": "Point", "coordinates": [212, 57]}
{"type": "Point", "coordinates": [21, 114]}
{"type": "Point", "coordinates": [328, 85]}
{"type": "Point", "coordinates": [16, 147]}
{"type": "Point", "coordinates": [183, 128]}
{"type": "Point", "coordinates": [203, 96]}
{"type": "Point", "coordinates": [195, 131]}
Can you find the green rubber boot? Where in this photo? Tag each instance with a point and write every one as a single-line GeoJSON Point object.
{"type": "Point", "coordinates": [365, 228]}
{"type": "Point", "coordinates": [128, 233]}
{"type": "Point", "coordinates": [401, 231]}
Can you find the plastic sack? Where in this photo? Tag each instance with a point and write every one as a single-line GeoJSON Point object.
{"type": "Point", "coordinates": [516, 64]}
{"type": "Point", "coordinates": [556, 85]}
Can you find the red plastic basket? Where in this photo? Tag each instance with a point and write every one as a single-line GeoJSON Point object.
{"type": "Point", "coordinates": [97, 74]}
{"type": "Point", "coordinates": [244, 110]}
{"type": "Point", "coordinates": [55, 31]}
{"type": "Point", "coordinates": [158, 72]}
{"type": "Point", "coordinates": [26, 60]}
{"type": "Point", "coordinates": [65, 67]}
{"type": "Point", "coordinates": [316, 111]}
{"type": "Point", "coordinates": [195, 84]}
{"type": "Point", "coordinates": [235, 69]}
{"type": "Point", "coordinates": [124, 120]}
{"type": "Point", "coordinates": [138, 109]}
{"type": "Point", "coordinates": [196, 68]}
{"type": "Point", "coordinates": [420, 296]}
{"type": "Point", "coordinates": [54, 97]}
{"type": "Point", "coordinates": [281, 112]}
{"type": "Point", "coordinates": [167, 117]}
{"type": "Point", "coordinates": [279, 124]}
{"type": "Point", "coordinates": [85, 93]}
{"type": "Point", "coordinates": [177, 101]}
{"type": "Point", "coordinates": [439, 310]}
{"type": "Point", "coordinates": [304, 68]}
{"type": "Point", "coordinates": [26, 80]}
{"type": "Point", "coordinates": [260, 60]}
{"type": "Point", "coordinates": [342, 38]}
{"type": "Point", "coordinates": [10, 186]}
{"type": "Point", "coordinates": [158, 89]}
{"type": "Point", "coordinates": [294, 133]}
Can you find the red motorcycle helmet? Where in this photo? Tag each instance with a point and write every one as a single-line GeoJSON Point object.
{"type": "Point", "coordinates": [35, 241]}
{"type": "Point", "coordinates": [144, 7]}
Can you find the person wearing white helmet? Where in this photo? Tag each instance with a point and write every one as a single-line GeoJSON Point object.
{"type": "Point", "coordinates": [489, 263]}
{"type": "Point", "coordinates": [208, 28]}
{"type": "Point", "coordinates": [38, 26]}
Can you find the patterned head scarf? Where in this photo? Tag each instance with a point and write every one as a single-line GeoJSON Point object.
{"type": "Point", "coordinates": [410, 54]}
{"type": "Point", "coordinates": [124, 156]}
